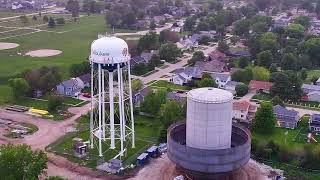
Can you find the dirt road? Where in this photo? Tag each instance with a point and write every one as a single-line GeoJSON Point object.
{"type": "Point", "coordinates": [49, 131]}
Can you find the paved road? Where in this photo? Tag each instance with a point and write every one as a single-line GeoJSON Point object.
{"type": "Point", "coordinates": [142, 33]}
{"type": "Point", "coordinates": [166, 71]}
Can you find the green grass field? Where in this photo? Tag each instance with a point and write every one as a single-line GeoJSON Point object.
{"type": "Point", "coordinates": [146, 135]}
{"type": "Point", "coordinates": [294, 140]}
{"type": "Point", "coordinates": [311, 74]}
{"type": "Point", "coordinates": [291, 138]}
{"type": "Point", "coordinates": [73, 39]}
{"type": "Point", "coordinates": [166, 85]}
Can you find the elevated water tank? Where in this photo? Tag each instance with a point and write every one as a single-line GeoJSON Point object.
{"type": "Point", "coordinates": [109, 50]}
{"type": "Point", "coordinates": [209, 118]}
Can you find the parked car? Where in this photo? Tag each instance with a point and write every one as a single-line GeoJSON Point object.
{"type": "Point", "coordinates": [87, 95]}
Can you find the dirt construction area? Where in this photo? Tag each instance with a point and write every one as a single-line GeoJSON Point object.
{"type": "Point", "coordinates": [43, 53]}
{"type": "Point", "coordinates": [4, 45]}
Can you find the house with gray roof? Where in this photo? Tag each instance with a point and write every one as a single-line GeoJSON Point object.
{"type": "Point", "coordinates": [138, 97]}
{"type": "Point", "coordinates": [179, 97]}
{"type": "Point", "coordinates": [86, 79]}
{"type": "Point", "coordinates": [211, 66]}
{"type": "Point", "coordinates": [71, 87]}
{"type": "Point", "coordinates": [286, 118]}
{"type": "Point", "coordinates": [307, 88]}
{"type": "Point", "coordinates": [136, 60]}
{"type": "Point", "coordinates": [221, 79]}
{"type": "Point", "coordinates": [231, 86]}
{"type": "Point", "coordinates": [314, 123]}
{"type": "Point", "coordinates": [314, 96]}
{"type": "Point", "coordinates": [184, 75]}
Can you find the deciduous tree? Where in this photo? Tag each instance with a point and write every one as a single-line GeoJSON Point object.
{"type": "Point", "coordinates": [264, 120]}
{"type": "Point", "coordinates": [20, 162]}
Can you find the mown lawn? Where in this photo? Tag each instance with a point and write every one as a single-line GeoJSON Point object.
{"type": "Point", "coordinates": [74, 40]}
{"type": "Point", "coordinates": [145, 137]}
{"type": "Point", "coordinates": [166, 84]}
{"type": "Point", "coordinates": [311, 74]}
{"type": "Point", "coordinates": [291, 138]}
{"type": "Point", "coordinates": [294, 140]}
{"type": "Point", "coordinates": [263, 97]}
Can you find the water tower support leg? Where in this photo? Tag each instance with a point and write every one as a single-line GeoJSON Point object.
{"type": "Point", "coordinates": [92, 109]}
{"type": "Point", "coordinates": [120, 110]}
{"type": "Point", "coordinates": [111, 99]}
{"type": "Point", "coordinates": [131, 108]}
{"type": "Point", "coordinates": [100, 102]}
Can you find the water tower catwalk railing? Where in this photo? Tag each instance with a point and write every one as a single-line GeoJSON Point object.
{"type": "Point", "coordinates": [111, 117]}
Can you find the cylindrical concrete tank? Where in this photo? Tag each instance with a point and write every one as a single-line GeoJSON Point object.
{"type": "Point", "coordinates": [209, 118]}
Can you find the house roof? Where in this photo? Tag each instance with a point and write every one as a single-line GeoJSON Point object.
{"type": "Point", "coordinates": [241, 105]}
{"type": "Point", "coordinates": [70, 83]}
{"type": "Point", "coordinates": [310, 87]}
{"type": "Point", "coordinates": [176, 96]}
{"type": "Point", "coordinates": [314, 93]}
{"type": "Point", "coordinates": [240, 53]}
{"type": "Point", "coordinates": [217, 55]}
{"type": "Point", "coordinates": [264, 85]}
{"type": "Point", "coordinates": [86, 78]}
{"type": "Point", "coordinates": [284, 113]}
{"type": "Point", "coordinates": [233, 70]}
{"type": "Point", "coordinates": [137, 60]}
{"type": "Point", "coordinates": [211, 66]}
{"type": "Point", "coordinates": [146, 56]}
{"type": "Point", "coordinates": [233, 83]}
{"type": "Point", "coordinates": [194, 72]}
{"type": "Point", "coordinates": [220, 76]}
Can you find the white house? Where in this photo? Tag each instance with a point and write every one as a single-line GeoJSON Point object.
{"type": "Point", "coordinates": [240, 110]}
{"type": "Point", "coordinates": [221, 79]}
{"type": "Point", "coordinates": [184, 75]}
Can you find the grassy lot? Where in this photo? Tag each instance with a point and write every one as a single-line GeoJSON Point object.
{"type": "Point", "coordinates": [263, 97]}
{"type": "Point", "coordinates": [295, 138]}
{"type": "Point", "coordinates": [149, 73]}
{"type": "Point", "coordinates": [311, 74]}
{"type": "Point", "coordinates": [166, 84]}
{"type": "Point", "coordinates": [32, 128]}
{"type": "Point", "coordinates": [8, 13]}
{"type": "Point", "coordinates": [74, 40]}
{"type": "Point", "coordinates": [294, 141]}
{"type": "Point", "coordinates": [146, 133]}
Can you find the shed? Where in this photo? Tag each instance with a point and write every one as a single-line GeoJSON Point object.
{"type": "Point", "coordinates": [80, 148]}
{"type": "Point", "coordinates": [142, 159]}
{"type": "Point", "coordinates": [153, 151]}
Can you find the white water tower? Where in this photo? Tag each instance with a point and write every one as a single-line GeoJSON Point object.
{"type": "Point", "coordinates": [111, 118]}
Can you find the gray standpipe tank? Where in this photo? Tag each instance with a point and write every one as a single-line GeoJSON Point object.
{"type": "Point", "coordinates": [207, 145]}
{"type": "Point", "coordinates": [209, 120]}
